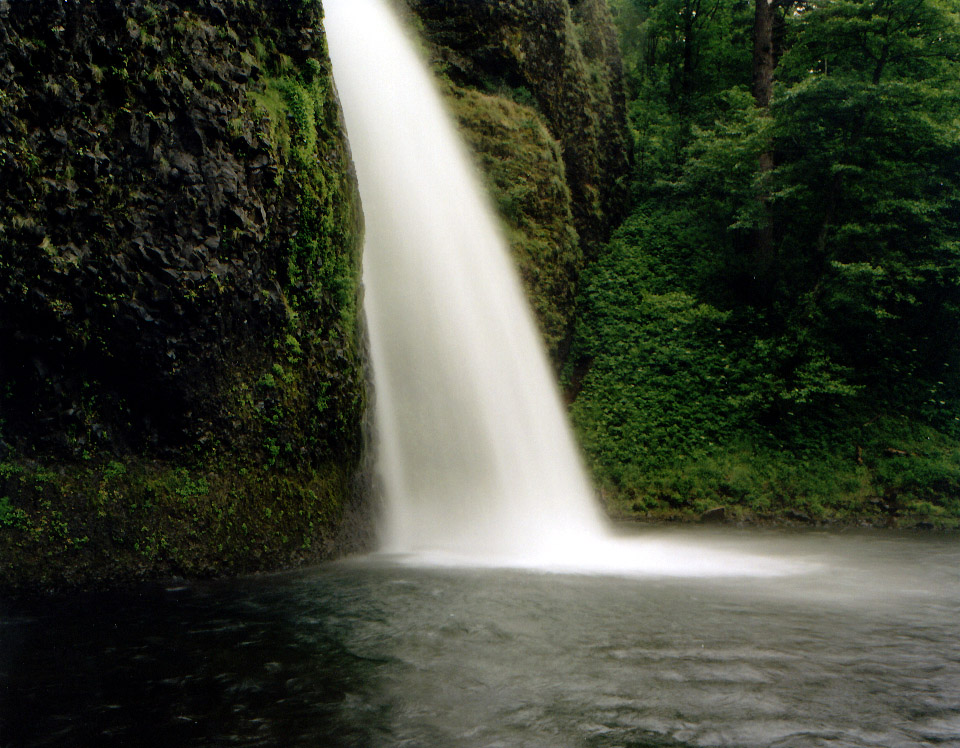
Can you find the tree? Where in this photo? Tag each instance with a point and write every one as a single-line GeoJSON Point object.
{"type": "Point", "coordinates": [768, 32]}
{"type": "Point", "coordinates": [824, 216]}
{"type": "Point", "coordinates": [787, 289]}
{"type": "Point", "coordinates": [868, 189]}
{"type": "Point", "coordinates": [679, 55]}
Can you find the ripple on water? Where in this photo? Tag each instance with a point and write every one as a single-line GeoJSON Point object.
{"type": "Point", "coordinates": [375, 654]}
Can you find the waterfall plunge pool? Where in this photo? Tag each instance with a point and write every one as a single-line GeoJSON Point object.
{"type": "Point", "coordinates": [861, 649]}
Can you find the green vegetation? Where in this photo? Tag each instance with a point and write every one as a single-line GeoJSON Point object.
{"type": "Point", "coordinates": [308, 397]}
{"type": "Point", "coordinates": [98, 523]}
{"type": "Point", "coordinates": [776, 328]}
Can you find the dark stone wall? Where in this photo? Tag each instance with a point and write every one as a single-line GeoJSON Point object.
{"type": "Point", "coordinates": [537, 86]}
{"type": "Point", "coordinates": [179, 283]}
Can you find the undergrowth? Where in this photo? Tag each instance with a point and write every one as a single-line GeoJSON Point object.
{"type": "Point", "coordinates": [681, 407]}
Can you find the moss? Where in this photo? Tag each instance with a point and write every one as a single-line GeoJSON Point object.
{"type": "Point", "coordinates": [294, 403]}
{"type": "Point", "coordinates": [526, 178]}
{"type": "Point", "coordinates": [180, 257]}
{"type": "Point", "coordinates": [99, 523]}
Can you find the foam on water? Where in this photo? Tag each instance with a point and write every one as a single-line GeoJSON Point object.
{"type": "Point", "coordinates": [623, 557]}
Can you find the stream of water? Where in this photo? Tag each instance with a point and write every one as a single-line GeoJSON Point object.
{"type": "Point", "coordinates": [863, 650]}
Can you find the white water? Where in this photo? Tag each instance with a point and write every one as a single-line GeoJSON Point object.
{"type": "Point", "coordinates": [476, 457]}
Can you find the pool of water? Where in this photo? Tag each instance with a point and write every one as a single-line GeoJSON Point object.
{"type": "Point", "coordinates": [854, 643]}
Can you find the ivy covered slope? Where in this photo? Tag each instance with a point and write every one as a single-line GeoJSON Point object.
{"type": "Point", "coordinates": [774, 333]}
{"type": "Point", "coordinates": [537, 88]}
{"type": "Point", "coordinates": [180, 380]}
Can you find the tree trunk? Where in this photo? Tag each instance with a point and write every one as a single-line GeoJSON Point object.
{"type": "Point", "coordinates": [764, 64]}
{"type": "Point", "coordinates": [764, 54]}
{"type": "Point", "coordinates": [686, 72]}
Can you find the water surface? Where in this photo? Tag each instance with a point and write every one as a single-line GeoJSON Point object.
{"type": "Point", "coordinates": [860, 648]}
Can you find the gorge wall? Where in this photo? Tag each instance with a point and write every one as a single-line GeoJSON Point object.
{"type": "Point", "coordinates": [181, 388]}
{"type": "Point", "coordinates": [537, 88]}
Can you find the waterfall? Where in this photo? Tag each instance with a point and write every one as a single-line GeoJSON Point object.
{"type": "Point", "coordinates": [476, 454]}
{"type": "Point", "coordinates": [477, 460]}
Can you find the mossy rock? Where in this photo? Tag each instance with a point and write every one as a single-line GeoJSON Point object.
{"type": "Point", "coordinates": [539, 83]}
{"type": "Point", "coordinates": [179, 255]}
{"type": "Point", "coordinates": [526, 176]}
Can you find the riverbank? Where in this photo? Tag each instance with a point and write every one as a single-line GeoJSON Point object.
{"type": "Point", "coordinates": [915, 485]}
{"type": "Point", "coordinates": [734, 516]}
{"type": "Point", "coordinates": [100, 526]}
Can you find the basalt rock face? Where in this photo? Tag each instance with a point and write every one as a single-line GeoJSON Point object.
{"type": "Point", "coordinates": [539, 83]}
{"type": "Point", "coordinates": [181, 387]}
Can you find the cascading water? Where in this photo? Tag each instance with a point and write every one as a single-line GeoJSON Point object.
{"type": "Point", "coordinates": [476, 456]}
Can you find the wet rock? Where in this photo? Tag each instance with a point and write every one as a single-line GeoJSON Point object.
{"type": "Point", "coordinates": [717, 514]}
{"type": "Point", "coordinates": [148, 210]}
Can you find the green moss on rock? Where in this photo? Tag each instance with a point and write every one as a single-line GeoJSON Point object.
{"type": "Point", "coordinates": [526, 176]}
{"type": "Point", "coordinates": [129, 518]}
{"type": "Point", "coordinates": [179, 289]}
{"type": "Point", "coordinates": [559, 62]}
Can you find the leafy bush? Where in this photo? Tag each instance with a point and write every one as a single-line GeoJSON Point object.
{"type": "Point", "coordinates": [11, 516]}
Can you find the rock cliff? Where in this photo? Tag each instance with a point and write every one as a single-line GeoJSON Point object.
{"type": "Point", "coordinates": [537, 87]}
{"type": "Point", "coordinates": [180, 368]}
